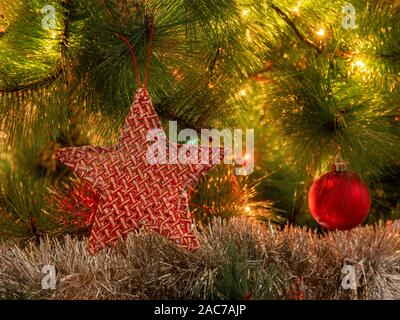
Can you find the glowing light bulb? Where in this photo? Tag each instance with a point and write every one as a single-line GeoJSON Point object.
{"type": "Point", "coordinates": [296, 9]}
{"type": "Point", "coordinates": [243, 93]}
{"type": "Point", "coordinates": [321, 32]}
{"type": "Point", "coordinates": [360, 64]}
{"type": "Point", "coordinates": [53, 34]}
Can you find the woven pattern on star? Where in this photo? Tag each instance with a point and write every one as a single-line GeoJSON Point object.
{"type": "Point", "coordinates": [135, 194]}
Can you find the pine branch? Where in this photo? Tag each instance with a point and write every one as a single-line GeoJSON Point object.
{"type": "Point", "coordinates": [37, 84]}
{"type": "Point", "coordinates": [165, 113]}
{"type": "Point", "coordinates": [293, 26]}
{"type": "Point", "coordinates": [51, 78]}
{"type": "Point", "coordinates": [69, 16]}
{"type": "Point", "coordinates": [307, 41]}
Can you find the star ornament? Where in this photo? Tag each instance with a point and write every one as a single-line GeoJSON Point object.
{"type": "Point", "coordinates": [137, 186]}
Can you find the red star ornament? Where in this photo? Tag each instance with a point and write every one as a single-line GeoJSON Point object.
{"type": "Point", "coordinates": [134, 192]}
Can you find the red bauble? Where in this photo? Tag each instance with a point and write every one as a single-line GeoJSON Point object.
{"type": "Point", "coordinates": [339, 201]}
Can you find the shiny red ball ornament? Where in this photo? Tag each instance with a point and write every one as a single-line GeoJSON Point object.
{"type": "Point", "coordinates": [339, 201]}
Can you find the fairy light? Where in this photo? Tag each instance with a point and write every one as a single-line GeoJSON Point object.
{"type": "Point", "coordinates": [321, 32]}
{"type": "Point", "coordinates": [360, 68]}
{"type": "Point", "coordinates": [247, 209]}
{"type": "Point", "coordinates": [243, 93]}
{"type": "Point", "coordinates": [296, 9]}
{"type": "Point", "coordinates": [177, 74]}
{"type": "Point", "coordinates": [245, 12]}
{"type": "Point", "coordinates": [53, 34]}
{"type": "Point", "coordinates": [247, 157]}
{"type": "Point", "coordinates": [360, 64]}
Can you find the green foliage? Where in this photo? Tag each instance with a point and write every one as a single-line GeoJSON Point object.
{"type": "Point", "coordinates": [223, 194]}
{"type": "Point", "coordinates": [28, 52]}
{"type": "Point", "coordinates": [334, 95]}
{"type": "Point", "coordinates": [323, 114]}
{"type": "Point", "coordinates": [337, 101]}
{"type": "Point", "coordinates": [81, 73]}
{"type": "Point", "coordinates": [240, 278]}
{"type": "Point", "coordinates": [308, 97]}
{"type": "Point", "coordinates": [22, 200]}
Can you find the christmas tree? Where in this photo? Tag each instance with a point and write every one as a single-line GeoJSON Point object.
{"type": "Point", "coordinates": [312, 85]}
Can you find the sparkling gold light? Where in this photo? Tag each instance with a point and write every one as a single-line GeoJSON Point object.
{"type": "Point", "coordinates": [321, 32]}
{"type": "Point", "coordinates": [359, 68]}
{"type": "Point", "coordinates": [360, 64]}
